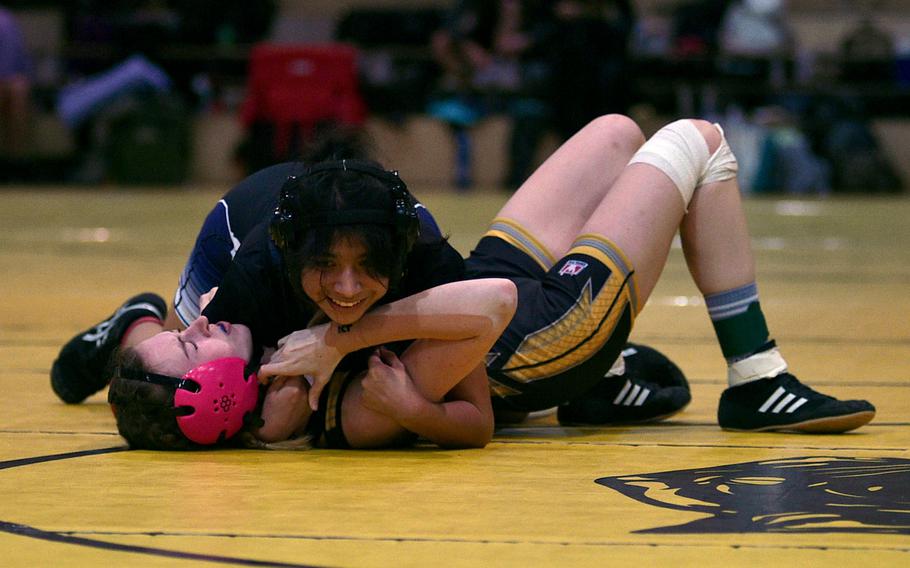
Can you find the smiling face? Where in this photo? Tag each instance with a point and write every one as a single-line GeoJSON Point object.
{"type": "Point", "coordinates": [341, 283]}
{"type": "Point", "coordinates": [176, 352]}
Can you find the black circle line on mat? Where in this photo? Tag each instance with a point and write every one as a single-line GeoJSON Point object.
{"type": "Point", "coordinates": [24, 530]}
{"type": "Point", "coordinates": [32, 532]}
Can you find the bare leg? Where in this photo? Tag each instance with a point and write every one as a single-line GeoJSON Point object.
{"type": "Point", "coordinates": [638, 211]}
{"type": "Point", "coordinates": [641, 214]}
{"type": "Point", "coordinates": [556, 201]}
{"type": "Point", "coordinates": [716, 239]}
{"type": "Point", "coordinates": [762, 394]}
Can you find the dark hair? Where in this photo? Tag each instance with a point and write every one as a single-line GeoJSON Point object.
{"type": "Point", "coordinates": [331, 190]}
{"type": "Point", "coordinates": [334, 141]}
{"type": "Point", "coordinates": [145, 412]}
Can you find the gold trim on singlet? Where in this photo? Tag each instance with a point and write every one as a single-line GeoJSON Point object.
{"type": "Point", "coordinates": [586, 326]}
{"type": "Point", "coordinates": [517, 236]}
{"type": "Point", "coordinates": [500, 390]}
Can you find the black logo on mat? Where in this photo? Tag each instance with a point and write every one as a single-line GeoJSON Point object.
{"type": "Point", "coordinates": [793, 495]}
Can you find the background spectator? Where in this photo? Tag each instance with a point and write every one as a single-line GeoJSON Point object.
{"type": "Point", "coordinates": [590, 61]}
{"type": "Point", "coordinates": [868, 53]}
{"type": "Point", "coordinates": [695, 27]}
{"type": "Point", "coordinates": [755, 40]}
{"type": "Point", "coordinates": [15, 87]}
{"type": "Point", "coordinates": [493, 58]}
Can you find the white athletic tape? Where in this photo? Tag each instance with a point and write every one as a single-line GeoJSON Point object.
{"type": "Point", "coordinates": [768, 363]}
{"type": "Point", "coordinates": [722, 165]}
{"type": "Point", "coordinates": [681, 152]}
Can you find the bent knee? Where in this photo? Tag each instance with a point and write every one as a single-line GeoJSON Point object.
{"type": "Point", "coordinates": [710, 133]}
{"type": "Point", "coordinates": [617, 130]}
{"type": "Point", "coordinates": [686, 151]}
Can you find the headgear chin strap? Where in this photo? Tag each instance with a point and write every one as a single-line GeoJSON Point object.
{"type": "Point", "coordinates": [220, 394]}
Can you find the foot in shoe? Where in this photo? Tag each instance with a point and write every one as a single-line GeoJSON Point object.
{"type": "Point", "coordinates": [79, 370]}
{"type": "Point", "coordinates": [651, 388]}
{"type": "Point", "coordinates": [782, 403]}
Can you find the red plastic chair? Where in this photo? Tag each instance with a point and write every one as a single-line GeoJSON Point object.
{"type": "Point", "coordinates": [302, 85]}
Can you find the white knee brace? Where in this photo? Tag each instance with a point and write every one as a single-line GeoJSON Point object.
{"type": "Point", "coordinates": [680, 151]}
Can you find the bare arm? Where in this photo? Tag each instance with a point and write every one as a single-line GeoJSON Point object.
{"type": "Point", "coordinates": [465, 316]}
{"type": "Point", "coordinates": [385, 403]}
{"type": "Point", "coordinates": [285, 410]}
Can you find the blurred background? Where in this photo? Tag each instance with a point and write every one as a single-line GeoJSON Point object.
{"type": "Point", "coordinates": [460, 94]}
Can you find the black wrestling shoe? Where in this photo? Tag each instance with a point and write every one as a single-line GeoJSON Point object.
{"type": "Point", "coordinates": [783, 403]}
{"type": "Point", "coordinates": [651, 388]}
{"type": "Point", "coordinates": [79, 370]}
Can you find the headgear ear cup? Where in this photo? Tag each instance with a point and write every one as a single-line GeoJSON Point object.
{"type": "Point", "coordinates": [407, 229]}
{"type": "Point", "coordinates": [282, 228]}
{"type": "Point", "coordinates": [224, 398]}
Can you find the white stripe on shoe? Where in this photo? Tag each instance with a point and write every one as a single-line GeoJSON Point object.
{"type": "Point", "coordinates": [774, 396]}
{"type": "Point", "coordinates": [783, 402]}
{"type": "Point", "coordinates": [642, 397]}
{"type": "Point", "coordinates": [797, 404]}
{"type": "Point", "coordinates": [632, 395]}
{"type": "Point", "coordinates": [622, 393]}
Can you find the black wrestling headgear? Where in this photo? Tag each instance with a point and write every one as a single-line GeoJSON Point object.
{"type": "Point", "coordinates": [291, 220]}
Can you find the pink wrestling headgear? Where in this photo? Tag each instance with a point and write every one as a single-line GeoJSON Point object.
{"type": "Point", "coordinates": [225, 396]}
{"type": "Point", "coordinates": [220, 393]}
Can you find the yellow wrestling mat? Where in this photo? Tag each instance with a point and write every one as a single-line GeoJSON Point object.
{"type": "Point", "coordinates": [835, 282]}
